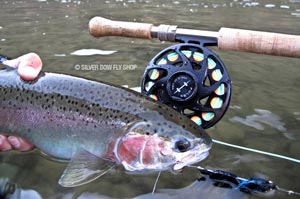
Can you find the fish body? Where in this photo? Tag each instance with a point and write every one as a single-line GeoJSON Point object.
{"type": "Point", "coordinates": [95, 124]}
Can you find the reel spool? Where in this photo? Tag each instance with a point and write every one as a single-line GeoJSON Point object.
{"type": "Point", "coordinates": [192, 79]}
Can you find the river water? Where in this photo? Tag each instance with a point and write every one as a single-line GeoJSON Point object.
{"type": "Point", "coordinates": [264, 112]}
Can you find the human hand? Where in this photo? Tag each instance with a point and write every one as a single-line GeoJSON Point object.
{"type": "Point", "coordinates": [29, 66]}
{"type": "Point", "coordinates": [13, 142]}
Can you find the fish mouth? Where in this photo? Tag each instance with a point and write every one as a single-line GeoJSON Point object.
{"type": "Point", "coordinates": [189, 160]}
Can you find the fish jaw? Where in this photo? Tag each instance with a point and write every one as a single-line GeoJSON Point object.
{"type": "Point", "coordinates": [197, 153]}
{"type": "Point", "coordinates": [192, 159]}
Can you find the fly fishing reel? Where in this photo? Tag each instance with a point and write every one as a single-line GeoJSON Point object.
{"type": "Point", "coordinates": [192, 79]}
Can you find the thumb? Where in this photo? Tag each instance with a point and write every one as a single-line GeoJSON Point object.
{"type": "Point", "coordinates": [30, 66]}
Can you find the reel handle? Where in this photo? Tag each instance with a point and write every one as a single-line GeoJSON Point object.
{"type": "Point", "coordinates": [228, 38]}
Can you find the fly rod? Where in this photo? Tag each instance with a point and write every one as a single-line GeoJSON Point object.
{"type": "Point", "coordinates": [183, 85]}
{"type": "Point", "coordinates": [227, 39]}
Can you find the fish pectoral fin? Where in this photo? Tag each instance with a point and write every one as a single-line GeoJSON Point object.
{"type": "Point", "coordinates": [83, 168]}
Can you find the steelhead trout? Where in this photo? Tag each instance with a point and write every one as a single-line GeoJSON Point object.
{"type": "Point", "coordinates": [97, 125]}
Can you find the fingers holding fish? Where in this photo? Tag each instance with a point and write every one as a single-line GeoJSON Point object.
{"type": "Point", "coordinates": [4, 144]}
{"type": "Point", "coordinates": [19, 143]}
{"type": "Point", "coordinates": [29, 65]}
{"type": "Point", "coordinates": [14, 143]}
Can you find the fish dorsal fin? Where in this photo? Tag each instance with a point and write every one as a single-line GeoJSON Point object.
{"type": "Point", "coordinates": [83, 168]}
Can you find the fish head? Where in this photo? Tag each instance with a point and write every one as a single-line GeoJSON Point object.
{"type": "Point", "coordinates": [155, 146]}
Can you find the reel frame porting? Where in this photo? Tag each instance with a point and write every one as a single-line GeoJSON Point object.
{"type": "Point", "coordinates": [190, 78]}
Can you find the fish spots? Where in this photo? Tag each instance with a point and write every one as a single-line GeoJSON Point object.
{"type": "Point", "coordinates": [76, 98]}
{"type": "Point", "coordinates": [127, 120]}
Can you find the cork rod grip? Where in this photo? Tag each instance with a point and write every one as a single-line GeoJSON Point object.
{"type": "Point", "coordinates": [101, 27]}
{"type": "Point", "coordinates": [259, 42]}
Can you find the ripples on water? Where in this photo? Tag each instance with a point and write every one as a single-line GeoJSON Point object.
{"type": "Point", "coordinates": [264, 111]}
{"type": "Point", "coordinates": [262, 117]}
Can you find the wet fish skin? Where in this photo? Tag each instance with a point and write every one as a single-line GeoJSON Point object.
{"type": "Point", "coordinates": [93, 106]}
{"type": "Point", "coordinates": [73, 118]}
{"type": "Point", "coordinates": [39, 113]}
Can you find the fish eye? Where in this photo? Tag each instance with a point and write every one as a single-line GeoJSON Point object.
{"type": "Point", "coordinates": [182, 145]}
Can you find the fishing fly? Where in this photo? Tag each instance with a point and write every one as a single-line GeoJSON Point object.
{"type": "Point", "coordinates": [249, 186]}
